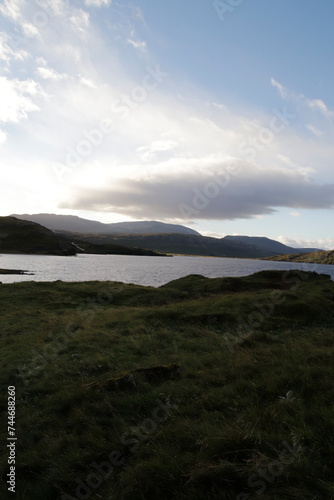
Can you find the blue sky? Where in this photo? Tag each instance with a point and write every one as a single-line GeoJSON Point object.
{"type": "Point", "coordinates": [213, 114]}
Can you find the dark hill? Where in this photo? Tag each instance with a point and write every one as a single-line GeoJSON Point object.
{"type": "Point", "coordinates": [187, 244]}
{"type": "Point", "coordinates": [19, 236]}
{"type": "Point", "coordinates": [268, 245]}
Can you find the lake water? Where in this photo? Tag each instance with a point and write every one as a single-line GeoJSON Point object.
{"type": "Point", "coordinates": [142, 270]}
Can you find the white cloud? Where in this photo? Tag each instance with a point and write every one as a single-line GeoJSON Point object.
{"type": "Point", "coordinates": [212, 234]}
{"type": "Point", "coordinates": [54, 7]}
{"type": "Point", "coordinates": [97, 3]}
{"type": "Point", "coordinates": [3, 137]}
{"type": "Point", "coordinates": [18, 99]}
{"type": "Point", "coordinates": [298, 242]}
{"type": "Point", "coordinates": [281, 89]}
{"type": "Point", "coordinates": [88, 83]}
{"type": "Point", "coordinates": [30, 30]}
{"type": "Point", "coordinates": [12, 9]}
{"type": "Point", "coordinates": [295, 213]}
{"type": "Point", "coordinates": [138, 44]}
{"type": "Point", "coordinates": [313, 104]}
{"type": "Point", "coordinates": [319, 105]}
{"type": "Point", "coordinates": [168, 144]}
{"type": "Point", "coordinates": [314, 130]}
{"type": "Point", "coordinates": [6, 51]}
{"type": "Point", "coordinates": [49, 74]}
{"type": "Point", "coordinates": [80, 21]}
{"type": "Point", "coordinates": [286, 160]}
{"type": "Point", "coordinates": [149, 152]}
{"type": "Point", "coordinates": [137, 14]}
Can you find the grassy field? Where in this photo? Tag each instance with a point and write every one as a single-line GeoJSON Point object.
{"type": "Point", "coordinates": [200, 389]}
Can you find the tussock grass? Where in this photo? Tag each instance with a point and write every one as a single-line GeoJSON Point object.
{"type": "Point", "coordinates": [252, 418]}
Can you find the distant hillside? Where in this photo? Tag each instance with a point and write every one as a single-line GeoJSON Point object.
{"type": "Point", "coordinates": [269, 245]}
{"type": "Point", "coordinates": [322, 257]}
{"type": "Point", "coordinates": [156, 236]}
{"type": "Point", "coordinates": [18, 236]}
{"type": "Point", "coordinates": [84, 246]}
{"type": "Point", "coordinates": [78, 225]}
{"type": "Point", "coordinates": [186, 244]}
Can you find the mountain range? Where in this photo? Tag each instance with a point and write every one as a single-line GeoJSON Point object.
{"type": "Point", "coordinates": [78, 225]}
{"type": "Point", "coordinates": [26, 237]}
{"type": "Point", "coordinates": [93, 236]}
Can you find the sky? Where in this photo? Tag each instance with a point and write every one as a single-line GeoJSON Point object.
{"type": "Point", "coordinates": [217, 115]}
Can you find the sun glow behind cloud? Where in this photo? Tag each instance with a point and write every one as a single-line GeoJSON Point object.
{"type": "Point", "coordinates": [104, 126]}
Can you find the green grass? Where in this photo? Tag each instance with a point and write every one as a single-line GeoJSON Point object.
{"type": "Point", "coordinates": [250, 415]}
{"type": "Point", "coordinates": [319, 257]}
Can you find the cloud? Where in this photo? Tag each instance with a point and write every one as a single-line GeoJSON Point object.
{"type": "Point", "coordinates": [49, 73]}
{"type": "Point", "coordinates": [281, 89]}
{"type": "Point", "coordinates": [12, 9]}
{"type": "Point", "coordinates": [52, 7]}
{"type": "Point", "coordinates": [286, 160]}
{"type": "Point", "coordinates": [3, 136]}
{"type": "Point", "coordinates": [313, 104]}
{"type": "Point", "coordinates": [20, 99]}
{"type": "Point", "coordinates": [7, 53]}
{"type": "Point", "coordinates": [319, 105]}
{"type": "Point", "coordinates": [88, 83]}
{"type": "Point", "coordinates": [314, 130]}
{"type": "Point", "coordinates": [295, 213]}
{"type": "Point", "coordinates": [30, 30]}
{"type": "Point", "coordinates": [138, 44]}
{"type": "Point", "coordinates": [137, 14]}
{"type": "Point", "coordinates": [80, 21]}
{"type": "Point", "coordinates": [150, 152]}
{"type": "Point", "coordinates": [297, 242]}
{"type": "Point", "coordinates": [97, 3]}
{"type": "Point", "coordinates": [191, 190]}
{"type": "Point", "coordinates": [166, 142]}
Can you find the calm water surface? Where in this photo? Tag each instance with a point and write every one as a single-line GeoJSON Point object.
{"type": "Point", "coordinates": [142, 270]}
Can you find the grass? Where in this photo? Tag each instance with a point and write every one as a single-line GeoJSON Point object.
{"type": "Point", "coordinates": [20, 236]}
{"type": "Point", "coordinates": [319, 257]}
{"type": "Point", "coordinates": [161, 394]}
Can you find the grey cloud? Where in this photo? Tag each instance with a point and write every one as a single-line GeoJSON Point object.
{"type": "Point", "coordinates": [225, 193]}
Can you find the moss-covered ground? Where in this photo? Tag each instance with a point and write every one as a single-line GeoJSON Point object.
{"type": "Point", "coordinates": [200, 389]}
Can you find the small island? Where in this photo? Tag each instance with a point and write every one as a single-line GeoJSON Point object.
{"type": "Point", "coordinates": [14, 271]}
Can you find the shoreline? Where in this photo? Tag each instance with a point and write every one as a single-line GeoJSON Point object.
{"type": "Point", "coordinates": [15, 271]}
